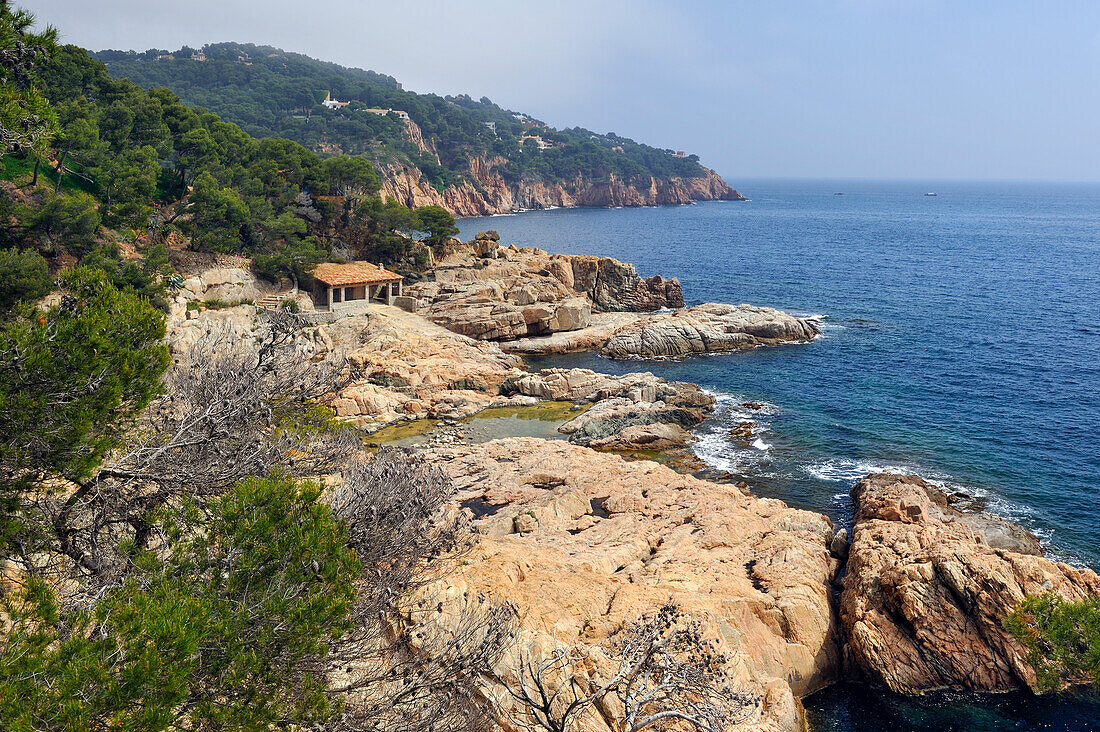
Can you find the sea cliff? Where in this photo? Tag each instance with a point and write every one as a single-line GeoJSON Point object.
{"type": "Point", "coordinates": [487, 192]}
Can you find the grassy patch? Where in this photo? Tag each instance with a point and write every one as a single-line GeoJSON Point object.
{"type": "Point", "coordinates": [19, 169]}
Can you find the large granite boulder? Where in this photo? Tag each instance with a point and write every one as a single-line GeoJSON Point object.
{"type": "Point", "coordinates": [610, 417]}
{"type": "Point", "coordinates": [636, 411]}
{"type": "Point", "coordinates": [616, 286]}
{"type": "Point", "coordinates": [412, 368]}
{"type": "Point", "coordinates": [708, 328]}
{"type": "Point", "coordinates": [587, 385]}
{"type": "Point", "coordinates": [928, 586]}
{"type": "Point", "coordinates": [228, 284]}
{"type": "Point", "coordinates": [655, 436]}
{"type": "Point", "coordinates": [489, 292]}
{"type": "Point", "coordinates": [482, 317]}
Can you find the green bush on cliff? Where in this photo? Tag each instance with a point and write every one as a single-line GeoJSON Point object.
{"type": "Point", "coordinates": [138, 276]}
{"type": "Point", "coordinates": [1062, 638]}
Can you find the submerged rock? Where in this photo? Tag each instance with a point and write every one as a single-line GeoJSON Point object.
{"type": "Point", "coordinates": [928, 586]}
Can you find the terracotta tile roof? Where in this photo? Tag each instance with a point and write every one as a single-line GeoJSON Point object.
{"type": "Point", "coordinates": [353, 273]}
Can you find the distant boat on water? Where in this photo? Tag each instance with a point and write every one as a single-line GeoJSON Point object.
{"type": "Point", "coordinates": [931, 194]}
{"type": "Point", "coordinates": [838, 194]}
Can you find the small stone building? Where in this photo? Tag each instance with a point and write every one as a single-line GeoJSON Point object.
{"type": "Point", "coordinates": [353, 285]}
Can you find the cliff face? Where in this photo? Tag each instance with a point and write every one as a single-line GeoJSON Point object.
{"type": "Point", "coordinates": [491, 194]}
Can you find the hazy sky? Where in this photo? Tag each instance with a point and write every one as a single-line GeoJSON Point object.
{"type": "Point", "coordinates": [769, 88]}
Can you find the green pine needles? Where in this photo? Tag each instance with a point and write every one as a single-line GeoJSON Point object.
{"type": "Point", "coordinates": [223, 628]}
{"type": "Point", "coordinates": [1062, 638]}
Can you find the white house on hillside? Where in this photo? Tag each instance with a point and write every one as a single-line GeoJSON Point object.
{"type": "Point", "coordinates": [332, 103]}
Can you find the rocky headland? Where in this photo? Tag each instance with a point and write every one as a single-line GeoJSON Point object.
{"type": "Point", "coordinates": [539, 303]}
{"type": "Point", "coordinates": [581, 540]}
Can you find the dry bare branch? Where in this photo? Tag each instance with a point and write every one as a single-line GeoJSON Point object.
{"type": "Point", "coordinates": [668, 676]}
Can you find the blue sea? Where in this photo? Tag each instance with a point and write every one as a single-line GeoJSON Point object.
{"type": "Point", "coordinates": [961, 342]}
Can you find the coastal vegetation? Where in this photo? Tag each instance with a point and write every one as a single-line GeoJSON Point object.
{"type": "Point", "coordinates": [1062, 638]}
{"type": "Point", "coordinates": [107, 163]}
{"type": "Point", "coordinates": [174, 556]}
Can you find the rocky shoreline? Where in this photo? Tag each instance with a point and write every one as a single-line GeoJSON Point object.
{"type": "Point", "coordinates": [533, 302]}
{"type": "Point", "coordinates": [580, 539]}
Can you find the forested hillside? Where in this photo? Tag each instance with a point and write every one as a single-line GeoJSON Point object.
{"type": "Point", "coordinates": [472, 156]}
{"type": "Point", "coordinates": [116, 167]}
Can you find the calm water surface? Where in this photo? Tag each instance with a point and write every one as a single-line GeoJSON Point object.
{"type": "Point", "coordinates": [962, 341]}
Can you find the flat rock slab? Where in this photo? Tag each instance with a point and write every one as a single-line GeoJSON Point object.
{"type": "Point", "coordinates": [707, 328]}
{"type": "Point", "coordinates": [581, 542]}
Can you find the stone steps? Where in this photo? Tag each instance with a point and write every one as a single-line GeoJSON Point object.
{"type": "Point", "coordinates": [273, 301]}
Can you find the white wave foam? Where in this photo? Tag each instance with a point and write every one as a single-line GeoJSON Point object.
{"type": "Point", "coordinates": [713, 450]}
{"type": "Point", "coordinates": [840, 471]}
{"type": "Point", "coordinates": [718, 450]}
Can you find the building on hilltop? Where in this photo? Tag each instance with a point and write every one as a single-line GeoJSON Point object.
{"type": "Point", "coordinates": [332, 103]}
{"type": "Point", "coordinates": [492, 126]}
{"type": "Point", "coordinates": [681, 154]}
{"type": "Point", "coordinates": [353, 286]}
{"type": "Point", "coordinates": [198, 56]}
{"type": "Point", "coordinates": [166, 57]}
{"type": "Point", "coordinates": [542, 144]}
{"type": "Point", "coordinates": [383, 112]}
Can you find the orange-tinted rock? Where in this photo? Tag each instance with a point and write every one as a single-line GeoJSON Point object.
{"type": "Point", "coordinates": [581, 542]}
{"type": "Point", "coordinates": [928, 586]}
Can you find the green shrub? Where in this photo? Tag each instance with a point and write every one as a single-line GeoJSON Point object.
{"type": "Point", "coordinates": [24, 277]}
{"type": "Point", "coordinates": [1062, 638]}
{"type": "Point", "coordinates": [99, 354]}
{"type": "Point", "coordinates": [142, 277]}
{"type": "Point", "coordinates": [223, 633]}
